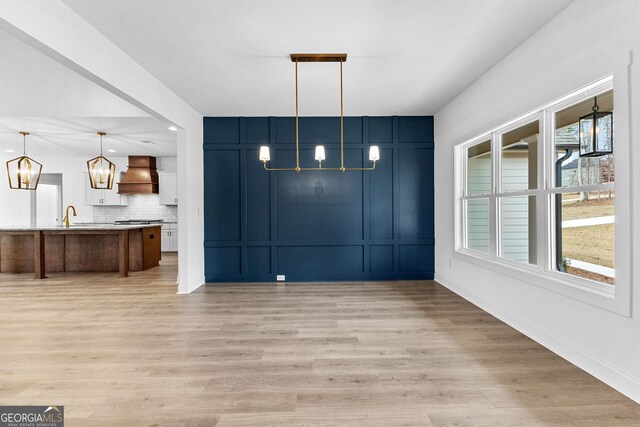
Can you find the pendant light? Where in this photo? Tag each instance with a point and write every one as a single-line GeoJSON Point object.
{"type": "Point", "coordinates": [374, 152]}
{"type": "Point", "coordinates": [101, 170]}
{"type": "Point", "coordinates": [596, 132]}
{"type": "Point", "coordinates": [24, 172]}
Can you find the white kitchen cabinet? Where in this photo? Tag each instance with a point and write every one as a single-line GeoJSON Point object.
{"type": "Point", "coordinates": [112, 198]}
{"type": "Point", "coordinates": [169, 239]}
{"type": "Point", "coordinates": [168, 188]}
{"type": "Point", "coordinates": [105, 197]}
{"type": "Point", "coordinates": [94, 197]}
{"type": "Point", "coordinates": [165, 240]}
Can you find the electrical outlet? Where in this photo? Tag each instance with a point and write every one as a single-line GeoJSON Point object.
{"type": "Point", "coordinates": [450, 262]}
{"type": "Point", "coordinates": [280, 277]}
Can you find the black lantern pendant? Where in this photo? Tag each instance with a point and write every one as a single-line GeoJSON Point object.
{"type": "Point", "coordinates": [24, 172]}
{"type": "Point", "coordinates": [596, 132]}
{"type": "Point", "coordinates": [101, 171]}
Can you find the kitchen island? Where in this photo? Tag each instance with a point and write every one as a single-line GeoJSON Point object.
{"type": "Point", "coordinates": [80, 248]}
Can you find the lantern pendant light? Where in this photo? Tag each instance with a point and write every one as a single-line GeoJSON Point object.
{"type": "Point", "coordinates": [596, 132]}
{"type": "Point", "coordinates": [374, 151]}
{"type": "Point", "coordinates": [101, 170]}
{"type": "Point", "coordinates": [24, 172]}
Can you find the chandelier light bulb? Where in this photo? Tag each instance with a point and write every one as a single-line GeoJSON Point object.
{"type": "Point", "coordinates": [265, 156]}
{"type": "Point", "coordinates": [24, 174]}
{"type": "Point", "coordinates": [320, 156]}
{"type": "Point", "coordinates": [374, 153]}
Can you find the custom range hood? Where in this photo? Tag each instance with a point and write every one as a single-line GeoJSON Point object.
{"type": "Point", "coordinates": [141, 176]}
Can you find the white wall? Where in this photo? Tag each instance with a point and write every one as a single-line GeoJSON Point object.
{"type": "Point", "coordinates": [14, 205]}
{"type": "Point", "coordinates": [553, 62]}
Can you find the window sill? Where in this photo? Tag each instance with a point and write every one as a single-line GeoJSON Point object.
{"type": "Point", "coordinates": [599, 295]}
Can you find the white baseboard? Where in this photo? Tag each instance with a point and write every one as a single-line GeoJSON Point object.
{"type": "Point", "coordinates": [191, 286]}
{"type": "Point", "coordinates": [605, 372]}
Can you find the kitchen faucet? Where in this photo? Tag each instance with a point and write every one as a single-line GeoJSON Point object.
{"type": "Point", "coordinates": [66, 217]}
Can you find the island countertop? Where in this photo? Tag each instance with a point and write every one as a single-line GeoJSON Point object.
{"type": "Point", "coordinates": [80, 248]}
{"type": "Point", "coordinates": [80, 227]}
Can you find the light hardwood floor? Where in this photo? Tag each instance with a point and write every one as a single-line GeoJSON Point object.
{"type": "Point", "coordinates": [130, 352]}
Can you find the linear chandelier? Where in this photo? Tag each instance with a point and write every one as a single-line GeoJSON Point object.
{"type": "Point", "coordinates": [374, 150]}
{"type": "Point", "coordinates": [25, 170]}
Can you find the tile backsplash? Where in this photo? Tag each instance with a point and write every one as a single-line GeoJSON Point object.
{"type": "Point", "coordinates": [141, 206]}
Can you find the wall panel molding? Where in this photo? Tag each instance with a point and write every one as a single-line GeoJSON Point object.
{"type": "Point", "coordinates": [318, 226]}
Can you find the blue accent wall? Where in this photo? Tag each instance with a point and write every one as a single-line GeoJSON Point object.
{"type": "Point", "coordinates": [318, 226]}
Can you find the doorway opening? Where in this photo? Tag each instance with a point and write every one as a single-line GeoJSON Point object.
{"type": "Point", "coordinates": [46, 201]}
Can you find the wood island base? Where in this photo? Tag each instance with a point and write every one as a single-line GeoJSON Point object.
{"type": "Point", "coordinates": [79, 250]}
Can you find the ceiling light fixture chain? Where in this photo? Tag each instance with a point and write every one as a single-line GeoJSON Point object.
{"type": "Point", "coordinates": [24, 142]}
{"type": "Point", "coordinates": [101, 135]}
{"type": "Point", "coordinates": [374, 151]}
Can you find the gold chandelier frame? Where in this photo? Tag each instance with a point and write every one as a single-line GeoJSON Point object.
{"type": "Point", "coordinates": [101, 170]}
{"type": "Point", "coordinates": [26, 169]}
{"type": "Point", "coordinates": [374, 154]}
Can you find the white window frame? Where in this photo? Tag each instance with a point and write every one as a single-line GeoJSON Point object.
{"type": "Point", "coordinates": [500, 193]}
{"type": "Point", "coordinates": [616, 298]}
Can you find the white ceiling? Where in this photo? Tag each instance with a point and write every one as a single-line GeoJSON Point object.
{"type": "Point", "coordinates": [230, 58]}
{"type": "Point", "coordinates": [73, 136]}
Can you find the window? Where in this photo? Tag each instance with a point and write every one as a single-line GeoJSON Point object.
{"type": "Point", "coordinates": [478, 186]}
{"type": "Point", "coordinates": [520, 157]}
{"type": "Point", "coordinates": [516, 196]}
{"type": "Point", "coordinates": [583, 198]}
{"type": "Point", "coordinates": [478, 224]}
{"type": "Point", "coordinates": [530, 201]}
{"type": "Point", "coordinates": [518, 228]}
{"type": "Point", "coordinates": [479, 168]}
